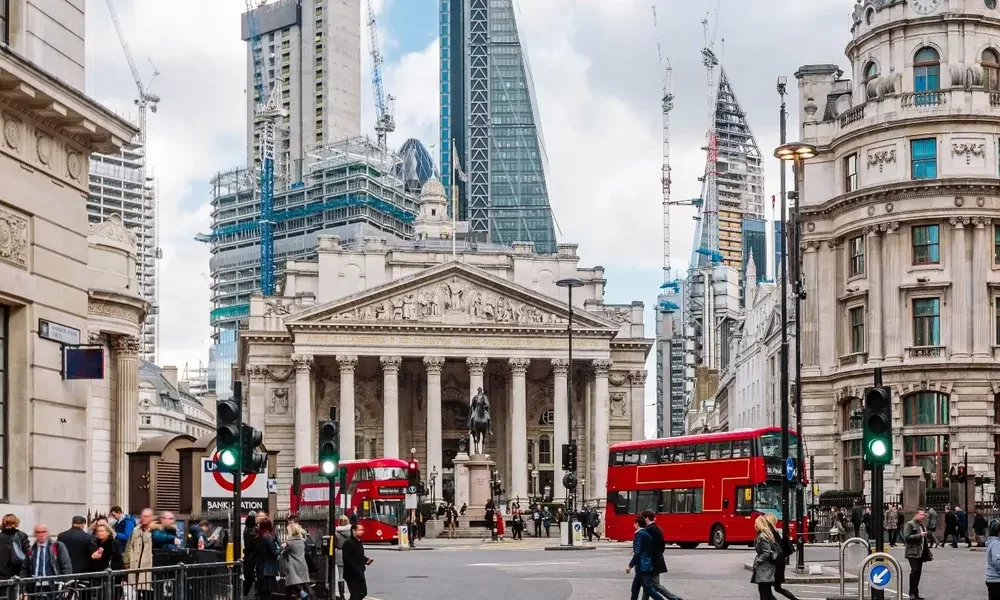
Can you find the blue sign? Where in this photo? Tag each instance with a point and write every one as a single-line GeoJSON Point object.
{"type": "Point", "coordinates": [789, 468]}
{"type": "Point", "coordinates": [879, 576]}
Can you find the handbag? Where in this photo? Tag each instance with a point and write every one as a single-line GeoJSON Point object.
{"type": "Point", "coordinates": [18, 550]}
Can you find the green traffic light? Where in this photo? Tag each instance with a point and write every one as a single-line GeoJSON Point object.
{"type": "Point", "coordinates": [328, 467]}
{"type": "Point", "coordinates": [228, 458]}
{"type": "Point", "coordinates": [878, 448]}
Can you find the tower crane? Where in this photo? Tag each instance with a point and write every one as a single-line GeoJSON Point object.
{"type": "Point", "coordinates": [711, 206]}
{"type": "Point", "coordinates": [146, 98]}
{"type": "Point", "coordinates": [385, 123]}
{"type": "Point", "coordinates": [667, 101]}
{"type": "Point", "coordinates": [267, 108]}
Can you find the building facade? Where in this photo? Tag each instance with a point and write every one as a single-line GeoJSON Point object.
{"type": "Point", "coordinates": [52, 268]}
{"type": "Point", "coordinates": [403, 337]}
{"type": "Point", "coordinates": [900, 217]}
{"type": "Point", "coordinates": [491, 126]}
{"type": "Point", "coordinates": [119, 186]}
{"type": "Point", "coordinates": [168, 407]}
{"type": "Point", "coordinates": [311, 50]}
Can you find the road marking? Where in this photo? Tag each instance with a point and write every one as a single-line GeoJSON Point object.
{"type": "Point", "coordinates": [525, 564]}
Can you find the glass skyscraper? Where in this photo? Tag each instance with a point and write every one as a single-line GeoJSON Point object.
{"type": "Point", "coordinates": [490, 121]}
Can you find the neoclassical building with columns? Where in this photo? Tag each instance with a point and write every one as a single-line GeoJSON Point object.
{"type": "Point", "coordinates": [402, 336]}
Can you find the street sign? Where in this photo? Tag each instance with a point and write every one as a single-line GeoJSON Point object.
{"type": "Point", "coordinates": [62, 334]}
{"type": "Point", "coordinates": [879, 576]}
{"type": "Point", "coordinates": [218, 485]}
{"type": "Point", "coordinates": [790, 468]}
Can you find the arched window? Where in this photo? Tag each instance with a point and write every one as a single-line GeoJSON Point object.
{"type": "Point", "coordinates": [544, 450]}
{"type": "Point", "coordinates": [869, 16]}
{"type": "Point", "coordinates": [926, 70]}
{"type": "Point", "coordinates": [991, 69]}
{"type": "Point", "coordinates": [359, 446]}
{"type": "Point", "coordinates": [928, 451]}
{"type": "Point", "coordinates": [871, 71]}
{"type": "Point", "coordinates": [848, 409]}
{"type": "Point", "coordinates": [925, 408]}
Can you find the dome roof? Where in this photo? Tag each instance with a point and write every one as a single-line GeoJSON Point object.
{"type": "Point", "coordinates": [416, 166]}
{"type": "Point", "coordinates": [431, 188]}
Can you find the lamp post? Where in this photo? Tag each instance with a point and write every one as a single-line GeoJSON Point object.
{"type": "Point", "coordinates": [434, 476]}
{"type": "Point", "coordinates": [534, 483]}
{"type": "Point", "coordinates": [796, 153]}
{"type": "Point", "coordinates": [569, 479]}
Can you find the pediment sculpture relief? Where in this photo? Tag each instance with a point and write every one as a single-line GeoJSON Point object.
{"type": "Point", "coordinates": [452, 297]}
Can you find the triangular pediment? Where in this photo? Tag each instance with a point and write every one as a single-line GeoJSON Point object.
{"type": "Point", "coordinates": [451, 294]}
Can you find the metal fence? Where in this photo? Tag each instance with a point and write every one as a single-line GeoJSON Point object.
{"type": "Point", "coordinates": [210, 581]}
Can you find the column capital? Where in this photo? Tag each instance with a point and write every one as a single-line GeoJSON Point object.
{"type": "Point", "coordinates": [637, 378]}
{"type": "Point", "coordinates": [126, 346]}
{"type": "Point", "coordinates": [303, 362]}
{"type": "Point", "coordinates": [890, 227]}
{"type": "Point", "coordinates": [94, 337]}
{"type": "Point", "coordinates": [959, 222]}
{"type": "Point", "coordinates": [560, 367]}
{"type": "Point", "coordinates": [433, 364]}
{"type": "Point", "coordinates": [871, 230]}
{"type": "Point", "coordinates": [602, 366]}
{"type": "Point", "coordinates": [519, 365]}
{"type": "Point", "coordinates": [981, 222]}
{"type": "Point", "coordinates": [390, 363]}
{"type": "Point", "coordinates": [476, 364]}
{"type": "Point", "coordinates": [347, 362]}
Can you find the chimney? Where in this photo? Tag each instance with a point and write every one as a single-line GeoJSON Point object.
{"type": "Point", "coordinates": [170, 374]}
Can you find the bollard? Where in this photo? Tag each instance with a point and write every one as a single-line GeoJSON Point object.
{"type": "Point", "coordinates": [404, 537]}
{"type": "Point", "coordinates": [843, 552]}
{"type": "Point", "coordinates": [880, 556]}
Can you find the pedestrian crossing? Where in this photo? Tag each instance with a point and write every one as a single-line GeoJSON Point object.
{"type": "Point", "coordinates": [810, 591]}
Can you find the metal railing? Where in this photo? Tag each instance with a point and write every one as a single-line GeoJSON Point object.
{"type": "Point", "coordinates": [209, 581]}
{"type": "Point", "coordinates": [843, 552]}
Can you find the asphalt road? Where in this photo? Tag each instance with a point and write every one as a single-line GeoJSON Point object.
{"type": "Point", "coordinates": [461, 570]}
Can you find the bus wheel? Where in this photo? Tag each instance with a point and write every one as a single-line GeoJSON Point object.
{"type": "Point", "coordinates": [719, 537]}
{"type": "Point", "coordinates": [688, 545]}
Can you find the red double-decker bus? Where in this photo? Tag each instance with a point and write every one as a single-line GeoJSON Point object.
{"type": "Point", "coordinates": [703, 488]}
{"type": "Point", "coordinates": [376, 488]}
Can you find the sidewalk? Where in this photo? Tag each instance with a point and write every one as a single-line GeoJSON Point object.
{"type": "Point", "coordinates": [829, 574]}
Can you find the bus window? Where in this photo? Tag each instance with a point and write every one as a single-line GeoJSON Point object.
{"type": "Point", "coordinates": [770, 446]}
{"type": "Point", "coordinates": [741, 449]}
{"type": "Point", "coordinates": [620, 501]}
{"type": "Point", "coordinates": [744, 500]}
{"type": "Point", "coordinates": [666, 501]}
{"type": "Point", "coordinates": [666, 455]}
{"type": "Point", "coordinates": [725, 450]}
{"type": "Point", "coordinates": [632, 457]}
{"type": "Point", "coordinates": [647, 500]}
{"type": "Point", "coordinates": [701, 452]}
{"type": "Point", "coordinates": [617, 459]}
{"type": "Point", "coordinates": [682, 454]}
{"type": "Point", "coordinates": [713, 451]}
{"type": "Point", "coordinates": [649, 456]}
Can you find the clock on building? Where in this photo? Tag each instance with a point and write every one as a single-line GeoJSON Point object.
{"type": "Point", "coordinates": [925, 7]}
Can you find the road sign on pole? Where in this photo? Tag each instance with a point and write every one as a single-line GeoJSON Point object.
{"type": "Point", "coordinates": [790, 468]}
{"type": "Point", "coordinates": [879, 576]}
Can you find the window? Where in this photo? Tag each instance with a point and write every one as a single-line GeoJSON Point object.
{"type": "Point", "coordinates": [856, 246]}
{"type": "Point", "coordinates": [929, 452]}
{"type": "Point", "coordinates": [927, 322]}
{"type": "Point", "coordinates": [996, 243]}
{"type": "Point", "coordinates": [926, 245]}
{"type": "Point", "coordinates": [926, 70]}
{"type": "Point", "coordinates": [925, 408]}
{"type": "Point", "coordinates": [851, 407]}
{"type": "Point", "coordinates": [923, 158]}
{"type": "Point", "coordinates": [4, 39]}
{"type": "Point", "coordinates": [681, 501]}
{"type": "Point", "coordinates": [531, 451]}
{"type": "Point", "coordinates": [851, 173]}
{"type": "Point", "coordinates": [857, 329]}
{"type": "Point", "coordinates": [996, 438]}
{"type": "Point", "coordinates": [991, 69]}
{"type": "Point", "coordinates": [359, 446]}
{"type": "Point", "coordinates": [997, 311]}
{"type": "Point", "coordinates": [544, 450]}
{"type": "Point", "coordinates": [853, 467]}
{"type": "Point", "coordinates": [871, 71]}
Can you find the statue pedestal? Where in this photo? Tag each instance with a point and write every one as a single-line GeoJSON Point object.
{"type": "Point", "coordinates": [477, 486]}
{"type": "Point", "coordinates": [461, 480]}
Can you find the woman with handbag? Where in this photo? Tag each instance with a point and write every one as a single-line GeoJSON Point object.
{"type": "Point", "coordinates": [293, 562]}
{"type": "Point", "coordinates": [13, 546]}
{"type": "Point", "coordinates": [766, 548]}
{"type": "Point", "coordinates": [786, 549]}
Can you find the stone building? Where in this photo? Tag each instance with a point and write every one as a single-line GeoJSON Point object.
{"type": "Point", "coordinates": [402, 337]}
{"type": "Point", "coordinates": [169, 407]}
{"type": "Point", "coordinates": [52, 267]}
{"type": "Point", "coordinates": [900, 227]}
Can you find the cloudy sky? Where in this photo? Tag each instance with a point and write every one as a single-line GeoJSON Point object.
{"type": "Point", "coordinates": [598, 85]}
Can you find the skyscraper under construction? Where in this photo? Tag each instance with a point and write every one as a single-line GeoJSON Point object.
{"type": "Point", "coordinates": [490, 125]}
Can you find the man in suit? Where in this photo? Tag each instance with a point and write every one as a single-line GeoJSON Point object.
{"type": "Point", "coordinates": [355, 563]}
{"type": "Point", "coordinates": [46, 558]}
{"type": "Point", "coordinates": [642, 562]}
{"type": "Point", "coordinates": [77, 541]}
{"type": "Point", "coordinates": [659, 563]}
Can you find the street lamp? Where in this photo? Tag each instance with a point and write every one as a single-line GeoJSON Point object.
{"type": "Point", "coordinates": [534, 483]}
{"type": "Point", "coordinates": [796, 153]}
{"type": "Point", "coordinates": [434, 476]}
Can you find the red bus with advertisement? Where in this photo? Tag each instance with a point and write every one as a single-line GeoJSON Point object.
{"type": "Point", "coordinates": [376, 488]}
{"type": "Point", "coordinates": [706, 488]}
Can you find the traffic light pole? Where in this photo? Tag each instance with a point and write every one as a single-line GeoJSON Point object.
{"type": "Point", "coordinates": [331, 530]}
{"type": "Point", "coordinates": [786, 239]}
{"type": "Point", "coordinates": [877, 498]}
{"type": "Point", "coordinates": [237, 531]}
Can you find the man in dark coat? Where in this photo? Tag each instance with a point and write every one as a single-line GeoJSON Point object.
{"type": "Point", "coordinates": [857, 515]}
{"type": "Point", "coordinates": [962, 532]}
{"type": "Point", "coordinates": [355, 563]}
{"type": "Point", "coordinates": [659, 563]}
{"type": "Point", "coordinates": [77, 541]}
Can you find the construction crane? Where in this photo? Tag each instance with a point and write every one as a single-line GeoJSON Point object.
{"type": "Point", "coordinates": [267, 108]}
{"type": "Point", "coordinates": [385, 123]}
{"type": "Point", "coordinates": [711, 206]}
{"type": "Point", "coordinates": [146, 98]}
{"type": "Point", "coordinates": [667, 102]}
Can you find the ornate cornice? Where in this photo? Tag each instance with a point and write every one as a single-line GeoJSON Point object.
{"type": "Point", "coordinates": [901, 190]}
{"type": "Point", "coordinates": [113, 305]}
{"type": "Point", "coordinates": [113, 229]}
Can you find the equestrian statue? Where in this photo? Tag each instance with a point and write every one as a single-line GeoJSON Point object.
{"type": "Point", "coordinates": [479, 421]}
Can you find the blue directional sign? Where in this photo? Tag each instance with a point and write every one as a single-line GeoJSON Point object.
{"type": "Point", "coordinates": [879, 576]}
{"type": "Point", "coordinates": [790, 468]}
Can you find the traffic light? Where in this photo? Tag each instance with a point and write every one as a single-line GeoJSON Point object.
{"type": "Point", "coordinates": [253, 461]}
{"type": "Point", "coordinates": [569, 481]}
{"type": "Point", "coordinates": [960, 474]}
{"type": "Point", "coordinates": [227, 434]}
{"type": "Point", "coordinates": [329, 448]}
{"type": "Point", "coordinates": [571, 464]}
{"type": "Point", "coordinates": [876, 421]}
{"type": "Point", "coordinates": [413, 476]}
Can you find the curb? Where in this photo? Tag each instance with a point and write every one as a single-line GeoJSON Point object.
{"type": "Point", "coordinates": [569, 548]}
{"type": "Point", "coordinates": [793, 578]}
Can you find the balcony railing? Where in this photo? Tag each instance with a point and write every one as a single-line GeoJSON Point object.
{"type": "Point", "coordinates": [925, 351]}
{"type": "Point", "coordinates": [853, 360]}
{"type": "Point", "coordinates": [908, 105]}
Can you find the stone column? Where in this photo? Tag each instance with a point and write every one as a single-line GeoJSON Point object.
{"type": "Point", "coordinates": [303, 408]}
{"type": "Point", "coordinates": [560, 405]}
{"type": "Point", "coordinates": [982, 310]}
{"type": "Point", "coordinates": [126, 390]}
{"type": "Point", "coordinates": [347, 364]}
{"type": "Point", "coordinates": [519, 433]}
{"type": "Point", "coordinates": [588, 403]}
{"type": "Point", "coordinates": [827, 280]}
{"type": "Point", "coordinates": [477, 366]}
{"type": "Point", "coordinates": [810, 307]}
{"type": "Point", "coordinates": [637, 383]}
{"type": "Point", "coordinates": [390, 404]}
{"type": "Point", "coordinates": [961, 300]}
{"type": "Point", "coordinates": [873, 252]}
{"type": "Point", "coordinates": [433, 365]}
{"type": "Point", "coordinates": [602, 412]}
{"type": "Point", "coordinates": [892, 252]}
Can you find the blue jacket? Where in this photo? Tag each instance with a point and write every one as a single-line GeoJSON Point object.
{"type": "Point", "coordinates": [123, 531]}
{"type": "Point", "coordinates": [963, 522]}
{"type": "Point", "coordinates": [993, 560]}
{"type": "Point", "coordinates": [642, 552]}
{"type": "Point", "coordinates": [163, 538]}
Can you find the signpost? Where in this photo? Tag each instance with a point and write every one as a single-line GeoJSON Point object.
{"type": "Point", "coordinates": [879, 576]}
{"type": "Point", "coordinates": [61, 334]}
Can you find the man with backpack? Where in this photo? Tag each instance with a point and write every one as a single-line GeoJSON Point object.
{"type": "Point", "coordinates": [46, 558]}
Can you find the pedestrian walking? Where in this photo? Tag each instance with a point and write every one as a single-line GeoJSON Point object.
{"type": "Point", "coordinates": [104, 552]}
{"type": "Point", "coordinates": [950, 527]}
{"type": "Point", "coordinates": [356, 563]}
{"type": "Point", "coordinates": [891, 525]}
{"type": "Point", "coordinates": [250, 539]}
{"type": "Point", "coordinates": [916, 551]}
{"type": "Point", "coordinates": [932, 525]}
{"type": "Point", "coordinates": [451, 516]}
{"type": "Point", "coordinates": [14, 546]}
{"type": "Point", "coordinates": [993, 562]}
{"type": "Point", "coordinates": [292, 559]}
{"type": "Point", "coordinates": [979, 527]}
{"type": "Point", "coordinates": [46, 558]}
{"type": "Point", "coordinates": [343, 533]}
{"type": "Point", "coordinates": [501, 529]}
{"type": "Point", "coordinates": [546, 521]}
{"type": "Point", "coordinates": [491, 519]}
{"type": "Point", "coordinates": [536, 519]}
{"type": "Point", "coordinates": [963, 527]}
{"type": "Point", "coordinates": [857, 517]}
{"type": "Point", "coordinates": [122, 524]}
{"type": "Point", "coordinates": [900, 521]}
{"type": "Point", "coordinates": [139, 555]}
{"type": "Point", "coordinates": [659, 562]}
{"type": "Point", "coordinates": [765, 560]}
{"type": "Point", "coordinates": [164, 532]}
{"type": "Point", "coordinates": [77, 541]}
{"type": "Point", "coordinates": [642, 562]}
{"type": "Point", "coordinates": [785, 549]}
{"type": "Point", "coordinates": [268, 569]}
{"type": "Point", "coordinates": [866, 523]}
